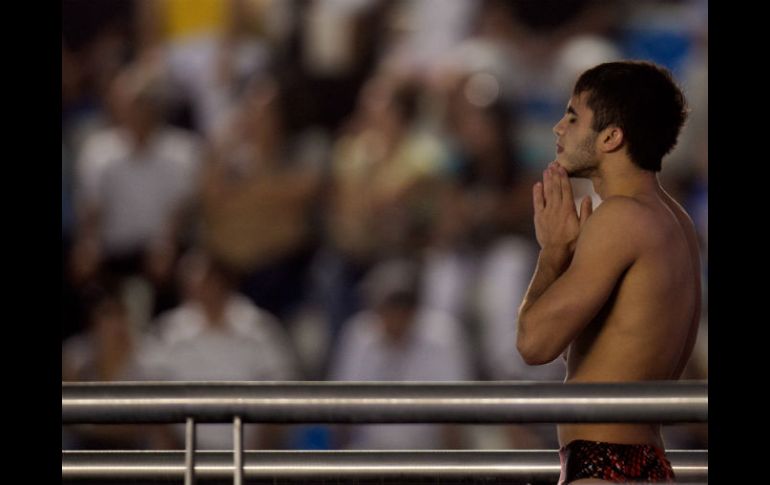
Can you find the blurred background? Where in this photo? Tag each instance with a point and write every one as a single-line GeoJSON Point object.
{"type": "Point", "coordinates": [332, 190]}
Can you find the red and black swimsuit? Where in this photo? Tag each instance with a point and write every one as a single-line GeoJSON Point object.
{"type": "Point", "coordinates": [613, 462]}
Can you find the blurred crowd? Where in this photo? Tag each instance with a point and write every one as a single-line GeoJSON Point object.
{"type": "Point", "coordinates": [262, 190]}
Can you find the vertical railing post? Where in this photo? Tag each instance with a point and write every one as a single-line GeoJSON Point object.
{"type": "Point", "coordinates": [189, 459]}
{"type": "Point", "coordinates": [238, 451]}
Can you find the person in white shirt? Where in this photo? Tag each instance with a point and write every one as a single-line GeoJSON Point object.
{"type": "Point", "coordinates": [219, 335]}
{"type": "Point", "coordinates": [135, 183]}
{"type": "Point", "coordinates": [396, 340]}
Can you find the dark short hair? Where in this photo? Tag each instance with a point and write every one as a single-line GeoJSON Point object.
{"type": "Point", "coordinates": [642, 99]}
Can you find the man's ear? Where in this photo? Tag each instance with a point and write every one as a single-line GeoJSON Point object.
{"type": "Point", "coordinates": [611, 139]}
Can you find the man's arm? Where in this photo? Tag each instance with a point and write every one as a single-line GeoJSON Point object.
{"type": "Point", "coordinates": [568, 290]}
{"type": "Point", "coordinates": [557, 229]}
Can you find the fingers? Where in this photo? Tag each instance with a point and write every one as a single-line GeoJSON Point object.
{"type": "Point", "coordinates": [586, 209]}
{"type": "Point", "coordinates": [548, 185]}
{"type": "Point", "coordinates": [552, 183]}
{"type": "Point", "coordinates": [566, 187]}
{"type": "Point", "coordinates": [538, 200]}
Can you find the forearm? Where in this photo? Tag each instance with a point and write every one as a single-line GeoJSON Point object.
{"type": "Point", "coordinates": [552, 311]}
{"type": "Point", "coordinates": [551, 263]}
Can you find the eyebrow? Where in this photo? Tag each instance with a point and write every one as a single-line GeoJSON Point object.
{"type": "Point", "coordinates": [571, 111]}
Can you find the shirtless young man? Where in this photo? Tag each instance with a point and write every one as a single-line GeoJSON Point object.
{"type": "Point", "coordinates": [617, 288]}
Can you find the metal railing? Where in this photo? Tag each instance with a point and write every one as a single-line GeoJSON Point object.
{"type": "Point", "coordinates": [334, 402]}
{"type": "Point", "coordinates": [413, 402]}
{"type": "Point", "coordinates": [332, 466]}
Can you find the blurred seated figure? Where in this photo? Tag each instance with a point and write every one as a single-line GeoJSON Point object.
{"type": "Point", "coordinates": [216, 334]}
{"type": "Point", "coordinates": [135, 183]}
{"type": "Point", "coordinates": [395, 339]}
{"type": "Point", "coordinates": [386, 174]}
{"type": "Point", "coordinates": [258, 194]}
{"type": "Point", "coordinates": [108, 350]}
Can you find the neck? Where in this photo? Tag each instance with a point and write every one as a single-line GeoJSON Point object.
{"type": "Point", "coordinates": [215, 311]}
{"type": "Point", "coordinates": [622, 177]}
{"type": "Point", "coordinates": [140, 135]}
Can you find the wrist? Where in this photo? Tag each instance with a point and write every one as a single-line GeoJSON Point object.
{"type": "Point", "coordinates": [555, 256]}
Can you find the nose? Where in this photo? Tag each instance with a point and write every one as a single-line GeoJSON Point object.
{"type": "Point", "coordinates": [557, 128]}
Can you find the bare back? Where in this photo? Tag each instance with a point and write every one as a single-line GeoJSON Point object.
{"type": "Point", "coordinates": [647, 328]}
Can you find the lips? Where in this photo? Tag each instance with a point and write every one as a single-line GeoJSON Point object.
{"type": "Point", "coordinates": [559, 149]}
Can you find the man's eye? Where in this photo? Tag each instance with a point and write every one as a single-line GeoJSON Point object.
{"type": "Point", "coordinates": [571, 120]}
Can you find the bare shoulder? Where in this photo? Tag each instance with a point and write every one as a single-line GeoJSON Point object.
{"type": "Point", "coordinates": [625, 217]}
{"type": "Point", "coordinates": [621, 206]}
{"type": "Point", "coordinates": [620, 230]}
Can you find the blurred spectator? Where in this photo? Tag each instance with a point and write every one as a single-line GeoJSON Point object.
{"type": "Point", "coordinates": [82, 114]}
{"type": "Point", "coordinates": [386, 176]}
{"type": "Point", "coordinates": [97, 40]}
{"type": "Point", "coordinates": [385, 167]}
{"type": "Point", "coordinates": [491, 191]}
{"type": "Point", "coordinates": [259, 187]}
{"type": "Point", "coordinates": [396, 339]}
{"type": "Point", "coordinates": [217, 334]}
{"type": "Point", "coordinates": [331, 48]}
{"type": "Point", "coordinates": [135, 183]}
{"type": "Point", "coordinates": [423, 32]}
{"type": "Point", "coordinates": [210, 47]}
{"type": "Point", "coordinates": [108, 350]}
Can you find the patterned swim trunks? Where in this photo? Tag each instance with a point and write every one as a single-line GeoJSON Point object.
{"type": "Point", "coordinates": [613, 462]}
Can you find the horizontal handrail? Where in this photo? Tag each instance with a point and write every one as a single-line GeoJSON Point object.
{"type": "Point", "coordinates": [521, 465]}
{"type": "Point", "coordinates": [385, 402]}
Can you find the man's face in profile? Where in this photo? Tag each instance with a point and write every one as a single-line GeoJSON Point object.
{"type": "Point", "coordinates": [575, 138]}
